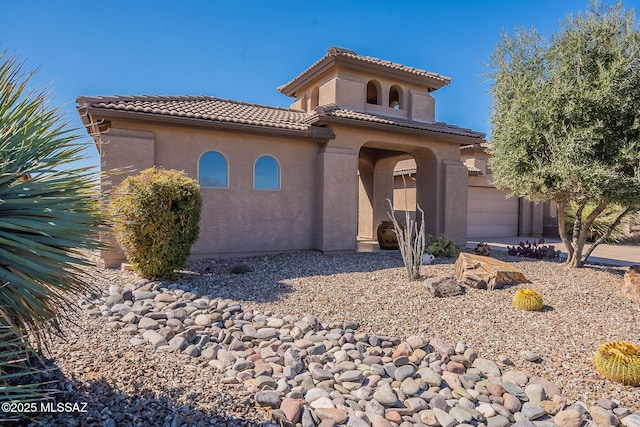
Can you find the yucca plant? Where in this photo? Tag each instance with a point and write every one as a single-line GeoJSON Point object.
{"type": "Point", "coordinates": [49, 211]}
{"type": "Point", "coordinates": [20, 370]}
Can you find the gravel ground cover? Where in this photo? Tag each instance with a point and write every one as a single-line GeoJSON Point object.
{"type": "Point", "coordinates": [125, 385]}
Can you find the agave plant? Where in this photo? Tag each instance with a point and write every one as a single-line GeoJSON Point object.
{"type": "Point", "coordinates": [49, 212]}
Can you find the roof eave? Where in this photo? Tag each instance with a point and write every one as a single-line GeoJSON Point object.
{"type": "Point", "coordinates": [90, 114]}
{"type": "Point", "coordinates": [327, 62]}
{"type": "Point", "coordinates": [450, 137]}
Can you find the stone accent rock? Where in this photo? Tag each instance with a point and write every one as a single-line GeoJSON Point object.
{"type": "Point", "coordinates": [631, 286]}
{"type": "Point", "coordinates": [484, 272]}
{"type": "Point", "coordinates": [444, 287]}
{"type": "Point", "coordinates": [568, 418]}
{"type": "Point", "coordinates": [307, 373]}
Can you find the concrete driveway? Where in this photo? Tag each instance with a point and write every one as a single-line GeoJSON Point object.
{"type": "Point", "coordinates": [618, 255]}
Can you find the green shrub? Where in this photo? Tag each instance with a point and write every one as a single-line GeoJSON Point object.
{"type": "Point", "coordinates": [156, 219]}
{"type": "Point", "coordinates": [441, 247]}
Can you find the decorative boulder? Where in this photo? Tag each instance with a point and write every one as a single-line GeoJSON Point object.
{"type": "Point", "coordinates": [444, 286]}
{"type": "Point", "coordinates": [483, 272]}
{"type": "Point", "coordinates": [631, 286]}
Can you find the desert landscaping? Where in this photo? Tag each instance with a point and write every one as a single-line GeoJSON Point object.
{"type": "Point", "coordinates": [356, 323]}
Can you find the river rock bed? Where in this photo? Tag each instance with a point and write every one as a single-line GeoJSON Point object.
{"type": "Point", "coordinates": [314, 369]}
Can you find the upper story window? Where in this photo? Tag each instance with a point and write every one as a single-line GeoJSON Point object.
{"type": "Point", "coordinates": [373, 92]}
{"type": "Point", "coordinates": [315, 98]}
{"type": "Point", "coordinates": [213, 170]}
{"type": "Point", "coordinates": [266, 174]}
{"type": "Point", "coordinates": [395, 97]}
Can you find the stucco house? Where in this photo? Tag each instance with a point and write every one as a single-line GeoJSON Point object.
{"type": "Point", "coordinates": [314, 176]}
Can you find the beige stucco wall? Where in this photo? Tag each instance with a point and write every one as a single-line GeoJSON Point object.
{"type": "Point", "coordinates": [237, 219]}
{"type": "Point", "coordinates": [438, 163]}
{"type": "Point", "coordinates": [347, 88]}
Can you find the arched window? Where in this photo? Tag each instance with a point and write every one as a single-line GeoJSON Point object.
{"type": "Point", "coordinates": [395, 97]}
{"type": "Point", "coordinates": [266, 174]}
{"type": "Point", "coordinates": [315, 98]}
{"type": "Point", "coordinates": [373, 92]}
{"type": "Point", "coordinates": [213, 171]}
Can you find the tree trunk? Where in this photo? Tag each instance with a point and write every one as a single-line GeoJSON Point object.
{"type": "Point", "coordinates": [575, 246]}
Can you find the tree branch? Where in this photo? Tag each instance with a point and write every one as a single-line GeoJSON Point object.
{"type": "Point", "coordinates": [606, 235]}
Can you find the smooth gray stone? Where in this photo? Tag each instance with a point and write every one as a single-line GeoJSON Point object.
{"type": "Point", "coordinates": [154, 338]}
{"type": "Point", "coordinates": [386, 396]}
{"type": "Point", "coordinates": [602, 416]}
{"type": "Point", "coordinates": [469, 380]}
{"type": "Point", "coordinates": [535, 393]}
{"type": "Point", "coordinates": [243, 365]}
{"type": "Point", "coordinates": [377, 369]}
{"type": "Point", "coordinates": [354, 421]}
{"type": "Point", "coordinates": [497, 421]}
{"type": "Point", "coordinates": [416, 404]}
{"type": "Point", "coordinates": [265, 381]}
{"type": "Point", "coordinates": [363, 393]}
{"type": "Point", "coordinates": [270, 399]}
{"type": "Point", "coordinates": [515, 390]}
{"type": "Point", "coordinates": [315, 394]}
{"type": "Point", "coordinates": [632, 420]}
{"type": "Point", "coordinates": [321, 374]}
{"type": "Point", "coordinates": [532, 411]}
{"type": "Point", "coordinates": [148, 323]}
{"type": "Point", "coordinates": [374, 407]}
{"type": "Point", "coordinates": [410, 387]}
{"type": "Point", "coordinates": [444, 419]}
{"type": "Point", "coordinates": [439, 402]}
{"type": "Point", "coordinates": [488, 367]}
{"type": "Point", "coordinates": [192, 351]}
{"type": "Point", "coordinates": [404, 371]}
{"type": "Point", "coordinates": [316, 349]}
{"type": "Point", "coordinates": [178, 343]}
{"type": "Point", "coordinates": [351, 376]}
{"type": "Point", "coordinates": [432, 378]}
{"type": "Point", "coordinates": [141, 295]}
{"type": "Point", "coordinates": [465, 415]}
{"type": "Point", "coordinates": [266, 333]}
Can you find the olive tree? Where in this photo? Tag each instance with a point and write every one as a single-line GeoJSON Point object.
{"type": "Point", "coordinates": [566, 118]}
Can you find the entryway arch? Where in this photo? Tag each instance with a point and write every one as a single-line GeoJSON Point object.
{"type": "Point", "coordinates": [380, 170]}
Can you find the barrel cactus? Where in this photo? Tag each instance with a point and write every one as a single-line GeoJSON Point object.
{"type": "Point", "coordinates": [619, 361]}
{"type": "Point", "coordinates": [528, 299]}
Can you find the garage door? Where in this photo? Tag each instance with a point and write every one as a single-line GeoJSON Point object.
{"type": "Point", "coordinates": [491, 214]}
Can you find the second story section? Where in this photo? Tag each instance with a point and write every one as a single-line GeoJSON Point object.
{"type": "Point", "coordinates": [366, 84]}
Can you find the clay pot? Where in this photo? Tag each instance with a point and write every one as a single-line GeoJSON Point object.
{"type": "Point", "coordinates": [387, 238]}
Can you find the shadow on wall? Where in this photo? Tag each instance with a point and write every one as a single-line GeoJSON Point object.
{"type": "Point", "coordinates": [265, 283]}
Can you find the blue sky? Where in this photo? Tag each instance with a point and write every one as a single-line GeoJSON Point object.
{"type": "Point", "coordinates": [244, 50]}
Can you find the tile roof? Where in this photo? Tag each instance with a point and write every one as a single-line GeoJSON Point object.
{"type": "Point", "coordinates": [201, 108]}
{"type": "Point", "coordinates": [212, 109]}
{"type": "Point", "coordinates": [474, 171]}
{"type": "Point", "coordinates": [338, 52]}
{"type": "Point", "coordinates": [404, 167]}
{"type": "Point", "coordinates": [333, 110]}
{"type": "Point", "coordinates": [482, 145]}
